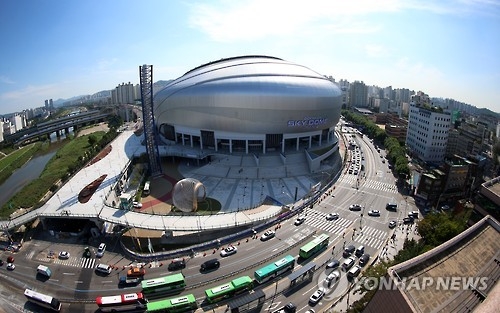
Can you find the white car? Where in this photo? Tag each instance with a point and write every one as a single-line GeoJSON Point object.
{"type": "Point", "coordinates": [64, 255]}
{"type": "Point", "coordinates": [11, 266]}
{"type": "Point", "coordinates": [100, 250]}
{"type": "Point", "coordinates": [332, 216]}
{"type": "Point", "coordinates": [332, 277]}
{"type": "Point", "coordinates": [267, 235]}
{"type": "Point", "coordinates": [316, 296]}
{"type": "Point", "coordinates": [228, 251]}
{"type": "Point", "coordinates": [299, 220]}
{"type": "Point", "coordinates": [137, 204]}
{"type": "Point", "coordinates": [393, 224]}
{"type": "Point", "coordinates": [374, 213]}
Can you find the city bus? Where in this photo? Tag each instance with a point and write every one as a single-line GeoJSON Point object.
{"type": "Point", "coordinates": [236, 286]}
{"type": "Point", "coordinates": [173, 305]}
{"type": "Point", "coordinates": [43, 300]}
{"type": "Point", "coordinates": [146, 191]}
{"type": "Point", "coordinates": [120, 303]}
{"type": "Point", "coordinates": [274, 269]}
{"type": "Point", "coordinates": [166, 284]}
{"type": "Point", "coordinates": [314, 246]}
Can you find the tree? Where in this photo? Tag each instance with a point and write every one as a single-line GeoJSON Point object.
{"type": "Point", "coordinates": [437, 228]}
{"type": "Point", "coordinates": [92, 140]}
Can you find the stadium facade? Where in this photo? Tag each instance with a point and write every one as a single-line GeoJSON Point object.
{"type": "Point", "coordinates": [249, 104]}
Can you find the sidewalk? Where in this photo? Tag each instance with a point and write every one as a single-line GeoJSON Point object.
{"type": "Point", "coordinates": [386, 253]}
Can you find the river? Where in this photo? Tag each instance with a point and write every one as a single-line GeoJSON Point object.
{"type": "Point", "coordinates": [23, 176]}
{"type": "Point", "coordinates": [29, 171]}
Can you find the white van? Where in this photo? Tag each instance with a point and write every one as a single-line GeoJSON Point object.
{"type": "Point", "coordinates": [44, 270]}
{"type": "Point", "coordinates": [104, 268]}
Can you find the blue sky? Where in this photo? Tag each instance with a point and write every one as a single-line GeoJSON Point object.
{"type": "Point", "coordinates": [59, 49]}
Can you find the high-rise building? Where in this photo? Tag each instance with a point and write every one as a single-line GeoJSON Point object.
{"type": "Point", "coordinates": [428, 128]}
{"type": "Point", "coordinates": [124, 94]}
{"type": "Point", "coordinates": [358, 94]}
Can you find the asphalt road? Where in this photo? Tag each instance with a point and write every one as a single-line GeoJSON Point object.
{"type": "Point", "coordinates": [75, 278]}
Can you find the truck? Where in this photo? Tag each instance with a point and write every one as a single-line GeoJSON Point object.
{"type": "Point", "coordinates": [129, 281]}
{"type": "Point", "coordinates": [288, 308]}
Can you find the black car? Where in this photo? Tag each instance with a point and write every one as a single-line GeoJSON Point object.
{"type": "Point", "coordinates": [408, 220]}
{"type": "Point", "coordinates": [212, 264]}
{"type": "Point", "coordinates": [333, 264]}
{"type": "Point", "coordinates": [348, 251]}
{"type": "Point", "coordinates": [176, 265]}
{"type": "Point", "coordinates": [364, 259]}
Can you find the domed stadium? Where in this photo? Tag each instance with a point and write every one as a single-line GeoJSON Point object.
{"type": "Point", "coordinates": [249, 104]}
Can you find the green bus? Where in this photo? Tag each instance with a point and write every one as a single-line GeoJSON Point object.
{"type": "Point", "coordinates": [165, 284]}
{"type": "Point", "coordinates": [237, 285]}
{"type": "Point", "coordinates": [274, 269]}
{"type": "Point", "coordinates": [314, 246]}
{"type": "Point", "coordinates": [180, 304]}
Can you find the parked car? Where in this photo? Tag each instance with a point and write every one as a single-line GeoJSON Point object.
{"type": "Point", "coordinates": [11, 266]}
{"type": "Point", "coordinates": [64, 255]}
{"type": "Point", "coordinates": [228, 251]}
{"type": "Point", "coordinates": [137, 204]}
{"type": "Point", "coordinates": [100, 250]}
{"type": "Point", "coordinates": [268, 234]}
{"type": "Point", "coordinates": [374, 213]}
{"type": "Point", "coordinates": [10, 259]}
{"type": "Point", "coordinates": [316, 296]}
{"type": "Point", "coordinates": [332, 216]}
{"type": "Point", "coordinates": [413, 214]}
{"type": "Point", "coordinates": [299, 220]}
{"type": "Point", "coordinates": [393, 224]}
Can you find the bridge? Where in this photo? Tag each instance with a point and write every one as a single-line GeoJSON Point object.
{"type": "Point", "coordinates": [56, 126]}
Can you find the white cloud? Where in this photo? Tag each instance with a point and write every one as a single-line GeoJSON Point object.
{"type": "Point", "coordinates": [229, 21]}
{"type": "Point", "coordinates": [376, 51]}
{"type": "Point", "coordinates": [246, 21]}
{"type": "Point", "coordinates": [6, 80]}
{"type": "Point", "coordinates": [105, 64]}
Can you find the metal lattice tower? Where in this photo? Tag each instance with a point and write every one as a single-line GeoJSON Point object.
{"type": "Point", "coordinates": [146, 76]}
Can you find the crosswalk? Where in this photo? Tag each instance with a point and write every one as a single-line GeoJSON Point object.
{"type": "Point", "coordinates": [72, 261]}
{"type": "Point", "coordinates": [371, 237]}
{"type": "Point", "coordinates": [318, 219]}
{"type": "Point", "coordinates": [372, 184]}
{"type": "Point", "coordinates": [77, 262]}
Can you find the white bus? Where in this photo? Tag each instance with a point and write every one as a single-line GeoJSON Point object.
{"type": "Point", "coordinates": [43, 300]}
{"type": "Point", "coordinates": [121, 303]}
{"type": "Point", "coordinates": [145, 191]}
